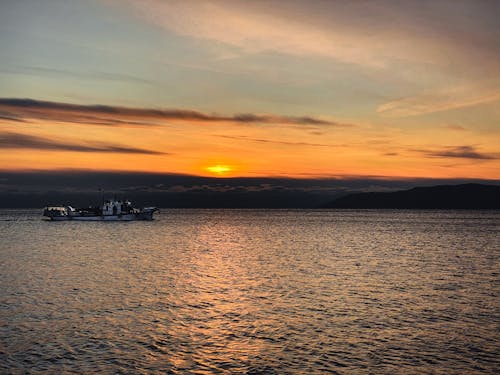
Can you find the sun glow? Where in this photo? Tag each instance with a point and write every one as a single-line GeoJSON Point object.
{"type": "Point", "coordinates": [219, 169]}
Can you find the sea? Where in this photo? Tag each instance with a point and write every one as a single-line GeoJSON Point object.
{"type": "Point", "coordinates": [202, 291]}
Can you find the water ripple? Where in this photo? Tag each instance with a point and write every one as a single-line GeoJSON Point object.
{"type": "Point", "coordinates": [252, 292]}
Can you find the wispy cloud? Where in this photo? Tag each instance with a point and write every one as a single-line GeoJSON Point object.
{"type": "Point", "coordinates": [462, 152]}
{"type": "Point", "coordinates": [254, 30]}
{"type": "Point", "coordinates": [10, 140]}
{"type": "Point", "coordinates": [93, 75]}
{"type": "Point", "coordinates": [9, 117]}
{"type": "Point", "coordinates": [455, 127]}
{"type": "Point", "coordinates": [366, 33]}
{"type": "Point", "coordinates": [124, 116]}
{"type": "Point", "coordinates": [273, 141]}
{"type": "Point", "coordinates": [442, 100]}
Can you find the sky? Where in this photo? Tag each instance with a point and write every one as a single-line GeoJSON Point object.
{"type": "Point", "coordinates": [298, 89]}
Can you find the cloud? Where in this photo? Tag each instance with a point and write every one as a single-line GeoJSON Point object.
{"type": "Point", "coordinates": [304, 120]}
{"type": "Point", "coordinates": [125, 116]}
{"type": "Point", "coordinates": [366, 33]}
{"type": "Point", "coordinates": [462, 152]}
{"type": "Point", "coordinates": [253, 30]}
{"type": "Point", "coordinates": [88, 180]}
{"type": "Point", "coordinates": [8, 117]}
{"type": "Point", "coordinates": [263, 140]}
{"type": "Point", "coordinates": [9, 140]}
{"type": "Point", "coordinates": [442, 100]}
{"type": "Point", "coordinates": [455, 127]}
{"type": "Point", "coordinates": [94, 75]}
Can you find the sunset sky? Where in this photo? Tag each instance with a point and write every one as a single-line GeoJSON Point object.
{"type": "Point", "coordinates": [305, 89]}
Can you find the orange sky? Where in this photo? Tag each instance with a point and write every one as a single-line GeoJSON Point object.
{"type": "Point", "coordinates": [224, 146]}
{"type": "Point", "coordinates": [252, 89]}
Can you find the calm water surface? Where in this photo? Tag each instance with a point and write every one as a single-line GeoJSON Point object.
{"type": "Point", "coordinates": [252, 291]}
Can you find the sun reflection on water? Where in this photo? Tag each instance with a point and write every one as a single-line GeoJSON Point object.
{"type": "Point", "coordinates": [221, 287]}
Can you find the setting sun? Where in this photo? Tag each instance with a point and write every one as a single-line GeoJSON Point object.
{"type": "Point", "coordinates": [219, 169]}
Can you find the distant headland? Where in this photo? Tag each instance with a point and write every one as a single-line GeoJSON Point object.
{"type": "Point", "coordinates": [464, 196]}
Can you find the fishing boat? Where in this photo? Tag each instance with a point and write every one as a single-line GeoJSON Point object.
{"type": "Point", "coordinates": [111, 210]}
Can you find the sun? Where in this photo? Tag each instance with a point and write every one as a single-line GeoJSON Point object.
{"type": "Point", "coordinates": [219, 169]}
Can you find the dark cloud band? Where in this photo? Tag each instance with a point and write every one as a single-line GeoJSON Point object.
{"type": "Point", "coordinates": [9, 140]}
{"type": "Point", "coordinates": [119, 116]}
{"type": "Point", "coordinates": [462, 152]}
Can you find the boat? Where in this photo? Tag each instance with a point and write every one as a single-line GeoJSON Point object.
{"type": "Point", "coordinates": [111, 210]}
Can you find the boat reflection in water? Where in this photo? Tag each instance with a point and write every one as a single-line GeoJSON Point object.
{"type": "Point", "coordinates": [111, 210]}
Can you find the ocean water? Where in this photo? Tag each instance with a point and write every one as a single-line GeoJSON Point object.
{"type": "Point", "coordinates": [252, 292]}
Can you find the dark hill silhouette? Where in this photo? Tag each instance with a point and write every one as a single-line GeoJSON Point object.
{"type": "Point", "coordinates": [466, 196]}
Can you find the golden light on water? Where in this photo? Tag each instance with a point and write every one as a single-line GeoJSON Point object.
{"type": "Point", "coordinates": [219, 169]}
